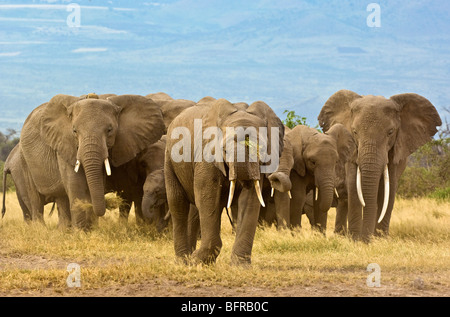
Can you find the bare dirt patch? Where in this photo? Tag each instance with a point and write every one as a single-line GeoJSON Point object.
{"type": "Point", "coordinates": [420, 286]}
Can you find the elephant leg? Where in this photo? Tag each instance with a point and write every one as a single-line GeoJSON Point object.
{"type": "Point", "coordinates": [179, 212]}
{"type": "Point", "coordinates": [340, 226]}
{"type": "Point", "coordinates": [320, 218]}
{"type": "Point", "coordinates": [249, 207]}
{"type": "Point", "coordinates": [354, 205]}
{"type": "Point", "coordinates": [210, 206]}
{"type": "Point", "coordinates": [298, 200]}
{"type": "Point", "coordinates": [81, 209]}
{"type": "Point", "coordinates": [24, 205]}
{"type": "Point", "coordinates": [35, 202]}
{"type": "Point", "coordinates": [37, 208]}
{"type": "Point", "coordinates": [193, 227]}
{"type": "Point", "coordinates": [64, 219]}
{"type": "Point", "coordinates": [282, 213]}
{"type": "Point", "coordinates": [395, 172]}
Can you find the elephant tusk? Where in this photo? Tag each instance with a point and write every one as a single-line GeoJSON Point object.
{"type": "Point", "coordinates": [77, 166]}
{"type": "Point", "coordinates": [386, 193]}
{"type": "Point", "coordinates": [289, 194]}
{"type": "Point", "coordinates": [317, 193]}
{"type": "Point", "coordinates": [358, 187]}
{"type": "Point", "coordinates": [272, 191]}
{"type": "Point", "coordinates": [230, 196]}
{"type": "Point", "coordinates": [335, 191]}
{"type": "Point", "coordinates": [107, 167]}
{"type": "Point", "coordinates": [258, 193]}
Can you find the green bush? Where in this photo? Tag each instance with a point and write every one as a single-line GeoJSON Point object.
{"type": "Point", "coordinates": [428, 172]}
{"type": "Point", "coordinates": [293, 120]}
{"type": "Point", "coordinates": [441, 193]}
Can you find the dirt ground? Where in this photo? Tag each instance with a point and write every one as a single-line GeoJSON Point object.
{"type": "Point", "coordinates": [419, 287]}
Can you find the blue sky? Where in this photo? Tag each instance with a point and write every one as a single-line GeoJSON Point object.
{"type": "Point", "coordinates": [291, 54]}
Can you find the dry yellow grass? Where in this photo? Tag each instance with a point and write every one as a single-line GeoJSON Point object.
{"type": "Point", "coordinates": [35, 257]}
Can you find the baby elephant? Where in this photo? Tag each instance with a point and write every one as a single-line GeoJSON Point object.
{"type": "Point", "coordinates": [308, 163]}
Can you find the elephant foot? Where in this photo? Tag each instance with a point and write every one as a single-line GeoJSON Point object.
{"type": "Point", "coordinates": [382, 233]}
{"type": "Point", "coordinates": [239, 260]}
{"type": "Point", "coordinates": [206, 255]}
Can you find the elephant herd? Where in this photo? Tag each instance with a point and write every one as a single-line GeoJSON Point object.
{"type": "Point", "coordinates": [185, 162]}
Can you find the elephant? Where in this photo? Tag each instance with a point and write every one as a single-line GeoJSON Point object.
{"type": "Point", "coordinates": [229, 166]}
{"type": "Point", "coordinates": [170, 107]}
{"type": "Point", "coordinates": [308, 163]}
{"type": "Point", "coordinates": [385, 132]}
{"type": "Point", "coordinates": [66, 141]}
{"type": "Point", "coordinates": [16, 166]}
{"type": "Point", "coordinates": [141, 180]}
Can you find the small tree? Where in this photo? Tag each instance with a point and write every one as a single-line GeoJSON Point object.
{"type": "Point", "coordinates": [293, 120]}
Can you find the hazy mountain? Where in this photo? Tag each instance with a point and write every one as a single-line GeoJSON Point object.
{"type": "Point", "coordinates": [291, 54]}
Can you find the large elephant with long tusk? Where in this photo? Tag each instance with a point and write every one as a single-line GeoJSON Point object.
{"type": "Point", "coordinates": [69, 143]}
{"type": "Point", "coordinates": [216, 155]}
{"type": "Point", "coordinates": [385, 132]}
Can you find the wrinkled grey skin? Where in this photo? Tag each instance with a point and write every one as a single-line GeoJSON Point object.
{"type": "Point", "coordinates": [385, 132]}
{"type": "Point", "coordinates": [206, 184]}
{"type": "Point", "coordinates": [308, 161]}
{"type": "Point", "coordinates": [141, 181]}
{"type": "Point", "coordinates": [25, 189]}
{"type": "Point", "coordinates": [170, 108]}
{"type": "Point", "coordinates": [68, 128]}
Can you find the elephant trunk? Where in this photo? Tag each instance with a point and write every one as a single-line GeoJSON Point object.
{"type": "Point", "coordinates": [149, 204]}
{"type": "Point", "coordinates": [326, 193]}
{"type": "Point", "coordinates": [323, 197]}
{"type": "Point", "coordinates": [370, 180]}
{"type": "Point", "coordinates": [280, 180]}
{"type": "Point", "coordinates": [93, 159]}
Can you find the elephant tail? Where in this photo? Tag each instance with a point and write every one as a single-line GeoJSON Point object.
{"type": "Point", "coordinates": [5, 174]}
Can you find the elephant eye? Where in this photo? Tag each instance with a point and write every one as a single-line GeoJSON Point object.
{"type": "Point", "coordinates": [354, 132]}
{"type": "Point", "coordinates": [74, 131]}
{"type": "Point", "coordinates": [391, 131]}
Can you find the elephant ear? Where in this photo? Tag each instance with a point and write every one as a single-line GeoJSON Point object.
{"type": "Point", "coordinates": [140, 125]}
{"type": "Point", "coordinates": [344, 141]}
{"type": "Point", "coordinates": [337, 110]}
{"type": "Point", "coordinates": [263, 111]}
{"type": "Point", "coordinates": [56, 126]}
{"type": "Point", "coordinates": [172, 108]}
{"type": "Point", "coordinates": [419, 119]}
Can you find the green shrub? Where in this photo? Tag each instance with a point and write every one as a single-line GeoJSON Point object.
{"type": "Point", "coordinates": [441, 193]}
{"type": "Point", "coordinates": [428, 172]}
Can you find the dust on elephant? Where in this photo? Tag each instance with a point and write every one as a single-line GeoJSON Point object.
{"type": "Point", "coordinates": [67, 141]}
{"type": "Point", "coordinates": [385, 132]}
{"type": "Point", "coordinates": [204, 169]}
{"type": "Point", "coordinates": [308, 163]}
